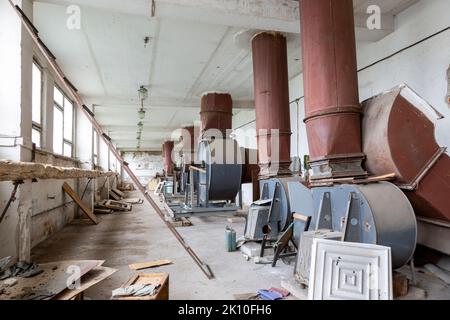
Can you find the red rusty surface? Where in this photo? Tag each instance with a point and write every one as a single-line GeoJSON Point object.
{"type": "Point", "coordinates": [217, 112]}
{"type": "Point", "coordinates": [167, 154]}
{"type": "Point", "coordinates": [399, 137]}
{"type": "Point", "coordinates": [189, 143]}
{"type": "Point", "coordinates": [271, 85]}
{"type": "Point", "coordinates": [333, 112]}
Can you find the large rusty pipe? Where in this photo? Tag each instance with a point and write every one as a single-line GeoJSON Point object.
{"type": "Point", "coordinates": [333, 111]}
{"type": "Point", "coordinates": [271, 86]}
{"type": "Point", "coordinates": [167, 152]}
{"type": "Point", "coordinates": [189, 143]}
{"type": "Point", "coordinates": [216, 112]}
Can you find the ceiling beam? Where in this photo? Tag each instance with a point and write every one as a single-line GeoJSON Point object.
{"type": "Point", "coordinates": [158, 103]}
{"type": "Point", "coordinates": [273, 15]}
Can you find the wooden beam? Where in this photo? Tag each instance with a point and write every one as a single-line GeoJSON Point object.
{"type": "Point", "coordinates": [15, 171]}
{"type": "Point", "coordinates": [79, 202]}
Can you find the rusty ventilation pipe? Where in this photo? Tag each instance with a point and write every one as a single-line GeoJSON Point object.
{"type": "Point", "coordinates": [271, 85]}
{"type": "Point", "coordinates": [189, 147]}
{"type": "Point", "coordinates": [216, 112]}
{"type": "Point", "coordinates": [167, 154]}
{"type": "Point", "coordinates": [333, 111]}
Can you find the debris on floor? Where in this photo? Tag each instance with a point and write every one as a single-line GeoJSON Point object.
{"type": "Point", "coordinates": [114, 205]}
{"type": "Point", "coordinates": [47, 280]}
{"type": "Point", "coordinates": [148, 265]}
{"type": "Point", "coordinates": [180, 222]}
{"type": "Point", "coordinates": [90, 279]}
{"type": "Point", "coordinates": [144, 287]}
{"type": "Point", "coordinates": [134, 201]}
{"type": "Point", "coordinates": [22, 270]}
{"type": "Point", "coordinates": [137, 290]}
{"type": "Point", "coordinates": [246, 296]}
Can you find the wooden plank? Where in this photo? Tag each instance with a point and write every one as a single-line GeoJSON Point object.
{"type": "Point", "coordinates": [80, 203]}
{"type": "Point", "coordinates": [14, 171]}
{"type": "Point", "coordinates": [89, 280]}
{"type": "Point", "coordinates": [301, 217]}
{"type": "Point", "coordinates": [113, 195]}
{"type": "Point", "coordinates": [52, 281]}
{"type": "Point", "coordinates": [134, 201]}
{"type": "Point", "coordinates": [118, 192]}
{"type": "Point", "coordinates": [148, 265]}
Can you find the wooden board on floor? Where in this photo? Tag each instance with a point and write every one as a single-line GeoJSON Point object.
{"type": "Point", "coordinates": [80, 203]}
{"type": "Point", "coordinates": [89, 280]}
{"type": "Point", "coordinates": [133, 201]}
{"type": "Point", "coordinates": [118, 192]}
{"type": "Point", "coordinates": [161, 279]}
{"type": "Point", "coordinates": [113, 195]}
{"type": "Point", "coordinates": [148, 265]}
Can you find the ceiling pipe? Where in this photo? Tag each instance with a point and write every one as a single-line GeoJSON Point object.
{"type": "Point", "coordinates": [333, 111]}
{"type": "Point", "coordinates": [271, 85]}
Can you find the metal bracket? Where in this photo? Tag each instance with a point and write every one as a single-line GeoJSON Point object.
{"type": "Point", "coordinates": [325, 220]}
{"type": "Point", "coordinates": [352, 224]}
{"type": "Point", "coordinates": [265, 192]}
{"type": "Point", "coordinates": [274, 213]}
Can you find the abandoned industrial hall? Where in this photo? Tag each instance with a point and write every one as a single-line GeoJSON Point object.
{"type": "Point", "coordinates": [256, 151]}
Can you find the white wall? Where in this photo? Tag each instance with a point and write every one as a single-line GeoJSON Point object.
{"type": "Point", "coordinates": [145, 165]}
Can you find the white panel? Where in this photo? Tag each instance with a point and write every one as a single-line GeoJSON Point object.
{"type": "Point", "coordinates": [350, 271]}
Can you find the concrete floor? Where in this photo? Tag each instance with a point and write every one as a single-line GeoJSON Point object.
{"type": "Point", "coordinates": [140, 236]}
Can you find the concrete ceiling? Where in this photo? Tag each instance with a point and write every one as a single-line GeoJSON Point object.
{"type": "Point", "coordinates": [195, 46]}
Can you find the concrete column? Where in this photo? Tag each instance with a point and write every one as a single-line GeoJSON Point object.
{"type": "Point", "coordinates": [271, 85]}
{"type": "Point", "coordinates": [333, 112]}
{"type": "Point", "coordinates": [16, 58]}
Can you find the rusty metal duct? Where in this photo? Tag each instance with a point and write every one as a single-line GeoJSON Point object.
{"type": "Point", "coordinates": [271, 83]}
{"type": "Point", "coordinates": [333, 112]}
{"type": "Point", "coordinates": [167, 154]}
{"type": "Point", "coordinates": [216, 112]}
{"type": "Point", "coordinates": [189, 143]}
{"type": "Point", "coordinates": [399, 136]}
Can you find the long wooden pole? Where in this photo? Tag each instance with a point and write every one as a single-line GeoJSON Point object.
{"type": "Point", "coordinates": [90, 116]}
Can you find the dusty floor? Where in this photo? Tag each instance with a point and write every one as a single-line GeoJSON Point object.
{"type": "Point", "coordinates": [140, 236]}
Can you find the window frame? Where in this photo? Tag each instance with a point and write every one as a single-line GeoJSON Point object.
{"type": "Point", "coordinates": [62, 109]}
{"type": "Point", "coordinates": [34, 125]}
{"type": "Point", "coordinates": [95, 148]}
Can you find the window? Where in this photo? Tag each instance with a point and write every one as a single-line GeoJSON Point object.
{"type": "Point", "coordinates": [95, 147]}
{"type": "Point", "coordinates": [36, 105]}
{"type": "Point", "coordinates": [63, 112]}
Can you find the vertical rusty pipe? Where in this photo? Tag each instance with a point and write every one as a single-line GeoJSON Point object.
{"type": "Point", "coordinates": [189, 145]}
{"type": "Point", "coordinates": [271, 85]}
{"type": "Point", "coordinates": [167, 152]}
{"type": "Point", "coordinates": [333, 111]}
{"type": "Point", "coordinates": [216, 112]}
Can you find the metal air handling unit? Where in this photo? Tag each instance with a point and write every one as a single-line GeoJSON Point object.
{"type": "Point", "coordinates": [215, 181]}
{"type": "Point", "coordinates": [339, 197]}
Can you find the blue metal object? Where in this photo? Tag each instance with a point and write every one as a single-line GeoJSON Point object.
{"type": "Point", "coordinates": [230, 240]}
